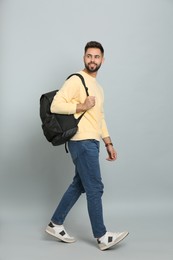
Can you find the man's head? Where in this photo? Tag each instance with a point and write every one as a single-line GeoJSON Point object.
{"type": "Point", "coordinates": [94, 44]}
{"type": "Point", "coordinates": [93, 56]}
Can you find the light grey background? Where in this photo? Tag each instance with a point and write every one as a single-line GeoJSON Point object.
{"type": "Point", "coordinates": [41, 43]}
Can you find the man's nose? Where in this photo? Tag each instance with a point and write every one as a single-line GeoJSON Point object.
{"type": "Point", "coordinates": [92, 59]}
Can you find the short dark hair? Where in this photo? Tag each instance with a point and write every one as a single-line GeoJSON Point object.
{"type": "Point", "coordinates": [94, 44]}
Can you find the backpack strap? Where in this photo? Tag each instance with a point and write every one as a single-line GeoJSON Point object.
{"type": "Point", "coordinates": [86, 89]}
{"type": "Point", "coordinates": [82, 79]}
{"type": "Point", "coordinates": [87, 93]}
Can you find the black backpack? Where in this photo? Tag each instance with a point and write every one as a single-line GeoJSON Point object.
{"type": "Point", "coordinates": [58, 128]}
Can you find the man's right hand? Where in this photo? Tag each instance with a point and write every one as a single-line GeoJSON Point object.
{"type": "Point", "coordinates": [89, 103]}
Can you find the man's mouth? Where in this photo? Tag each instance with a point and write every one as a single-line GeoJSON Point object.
{"type": "Point", "coordinates": [92, 64]}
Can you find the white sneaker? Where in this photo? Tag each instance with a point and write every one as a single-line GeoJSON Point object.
{"type": "Point", "coordinates": [111, 239]}
{"type": "Point", "coordinates": [59, 232]}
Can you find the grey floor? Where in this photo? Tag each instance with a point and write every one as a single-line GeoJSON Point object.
{"type": "Point", "coordinates": [22, 235]}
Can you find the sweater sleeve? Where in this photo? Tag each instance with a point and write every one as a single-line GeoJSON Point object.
{"type": "Point", "coordinates": [104, 129]}
{"type": "Point", "coordinates": [105, 132]}
{"type": "Point", "coordinates": [65, 100]}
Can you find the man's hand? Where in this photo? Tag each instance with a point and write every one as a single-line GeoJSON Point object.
{"type": "Point", "coordinates": [88, 103]}
{"type": "Point", "coordinates": [112, 154]}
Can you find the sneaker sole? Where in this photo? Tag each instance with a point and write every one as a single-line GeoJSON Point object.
{"type": "Point", "coordinates": [61, 238]}
{"type": "Point", "coordinates": [119, 239]}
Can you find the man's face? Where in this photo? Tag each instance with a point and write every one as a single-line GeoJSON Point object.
{"type": "Point", "coordinates": [93, 59]}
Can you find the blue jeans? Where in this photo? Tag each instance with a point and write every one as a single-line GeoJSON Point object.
{"type": "Point", "coordinates": [85, 156]}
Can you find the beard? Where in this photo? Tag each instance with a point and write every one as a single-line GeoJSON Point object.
{"type": "Point", "coordinates": [92, 67]}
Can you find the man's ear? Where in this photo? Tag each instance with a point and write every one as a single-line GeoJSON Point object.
{"type": "Point", "coordinates": [103, 60]}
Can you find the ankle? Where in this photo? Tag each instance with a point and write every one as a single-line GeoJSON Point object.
{"type": "Point", "coordinates": [102, 237]}
{"type": "Point", "coordinates": [56, 225]}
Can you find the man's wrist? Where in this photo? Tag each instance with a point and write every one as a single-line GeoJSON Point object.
{"type": "Point", "coordinates": [108, 144]}
{"type": "Point", "coordinates": [80, 108]}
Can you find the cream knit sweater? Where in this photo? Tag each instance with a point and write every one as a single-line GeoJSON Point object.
{"type": "Point", "coordinates": [92, 125]}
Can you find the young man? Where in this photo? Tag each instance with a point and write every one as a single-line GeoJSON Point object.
{"type": "Point", "coordinates": [84, 149]}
